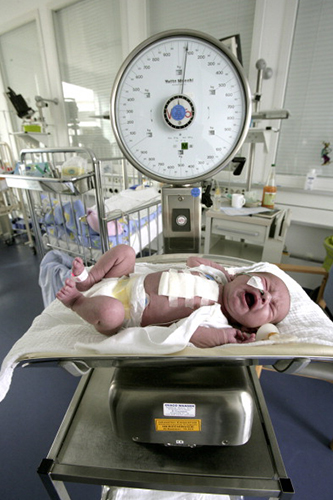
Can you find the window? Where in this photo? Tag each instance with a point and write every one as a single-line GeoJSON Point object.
{"type": "Point", "coordinates": [309, 93]}
{"type": "Point", "coordinates": [90, 55]}
{"type": "Point", "coordinates": [22, 69]}
{"type": "Point", "coordinates": [218, 18]}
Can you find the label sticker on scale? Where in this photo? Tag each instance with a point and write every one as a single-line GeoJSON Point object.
{"type": "Point", "coordinates": [177, 425]}
{"type": "Point", "coordinates": [178, 410]}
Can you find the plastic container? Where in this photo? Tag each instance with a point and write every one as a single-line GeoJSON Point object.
{"type": "Point", "coordinates": [310, 180]}
{"type": "Point", "coordinates": [74, 167]}
{"type": "Point", "coordinates": [269, 191]}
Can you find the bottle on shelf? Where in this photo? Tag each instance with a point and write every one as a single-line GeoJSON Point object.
{"type": "Point", "coordinates": [310, 180]}
{"type": "Point", "coordinates": [217, 198]}
{"type": "Point", "coordinates": [269, 192]}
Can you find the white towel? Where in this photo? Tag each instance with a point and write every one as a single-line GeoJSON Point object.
{"type": "Point", "coordinates": [130, 199]}
{"type": "Point", "coordinates": [58, 332]}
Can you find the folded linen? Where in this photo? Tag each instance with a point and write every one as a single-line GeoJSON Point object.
{"type": "Point", "coordinates": [130, 199]}
{"type": "Point", "coordinates": [60, 333]}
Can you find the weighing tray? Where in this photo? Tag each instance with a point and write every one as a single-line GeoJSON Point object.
{"type": "Point", "coordinates": [86, 451]}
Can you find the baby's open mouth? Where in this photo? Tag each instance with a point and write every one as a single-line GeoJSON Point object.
{"type": "Point", "coordinates": [250, 300]}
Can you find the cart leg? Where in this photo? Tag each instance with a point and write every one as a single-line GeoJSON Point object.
{"type": "Point", "coordinates": [55, 489]}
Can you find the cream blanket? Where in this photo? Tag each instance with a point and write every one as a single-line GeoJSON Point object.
{"type": "Point", "coordinates": [60, 333]}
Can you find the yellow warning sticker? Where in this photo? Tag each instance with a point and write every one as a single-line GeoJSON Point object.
{"type": "Point", "coordinates": [177, 424]}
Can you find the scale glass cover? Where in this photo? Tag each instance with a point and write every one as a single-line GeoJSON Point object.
{"type": "Point", "coordinates": [180, 107]}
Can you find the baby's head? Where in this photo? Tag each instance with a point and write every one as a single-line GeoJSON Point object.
{"type": "Point", "coordinates": [254, 299]}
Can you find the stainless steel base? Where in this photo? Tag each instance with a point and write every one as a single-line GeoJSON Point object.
{"type": "Point", "coordinates": [85, 450]}
{"type": "Point", "coordinates": [182, 406]}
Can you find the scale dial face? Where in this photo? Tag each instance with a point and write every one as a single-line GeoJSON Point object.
{"type": "Point", "coordinates": [180, 107]}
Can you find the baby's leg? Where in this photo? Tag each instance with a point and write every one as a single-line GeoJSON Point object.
{"type": "Point", "coordinates": [106, 314]}
{"type": "Point", "coordinates": [117, 262]}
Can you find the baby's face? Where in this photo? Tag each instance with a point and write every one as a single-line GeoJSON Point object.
{"type": "Point", "coordinates": [251, 307]}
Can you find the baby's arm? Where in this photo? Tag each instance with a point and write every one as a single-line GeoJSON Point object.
{"type": "Point", "coordinates": [213, 337]}
{"type": "Point", "coordinates": [195, 261]}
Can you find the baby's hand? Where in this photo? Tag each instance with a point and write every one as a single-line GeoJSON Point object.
{"type": "Point", "coordinates": [212, 337]}
{"type": "Point", "coordinates": [243, 337]}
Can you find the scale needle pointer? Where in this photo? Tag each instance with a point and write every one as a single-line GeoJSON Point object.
{"type": "Point", "coordinates": [184, 70]}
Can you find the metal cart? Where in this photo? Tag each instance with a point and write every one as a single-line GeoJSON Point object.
{"type": "Point", "coordinates": [13, 215]}
{"type": "Point", "coordinates": [85, 450]}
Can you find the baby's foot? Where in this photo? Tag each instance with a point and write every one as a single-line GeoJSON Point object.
{"type": "Point", "coordinates": [68, 293]}
{"type": "Point", "coordinates": [77, 269]}
{"type": "Point", "coordinates": [77, 266]}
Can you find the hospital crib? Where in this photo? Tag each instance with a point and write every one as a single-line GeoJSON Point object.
{"type": "Point", "coordinates": [75, 208]}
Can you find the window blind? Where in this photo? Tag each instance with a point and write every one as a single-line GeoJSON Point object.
{"type": "Point", "coordinates": [89, 52]}
{"type": "Point", "coordinates": [309, 93]}
{"type": "Point", "coordinates": [218, 18]}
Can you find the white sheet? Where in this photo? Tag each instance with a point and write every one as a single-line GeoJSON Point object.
{"type": "Point", "coordinates": [58, 332]}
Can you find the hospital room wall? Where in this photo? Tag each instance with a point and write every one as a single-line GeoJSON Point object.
{"type": "Point", "coordinates": [273, 21]}
{"type": "Point", "coordinates": [272, 40]}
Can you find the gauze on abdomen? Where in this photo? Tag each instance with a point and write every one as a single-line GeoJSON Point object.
{"type": "Point", "coordinates": [175, 285]}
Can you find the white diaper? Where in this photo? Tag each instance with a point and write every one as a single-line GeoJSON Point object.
{"type": "Point", "coordinates": [129, 290]}
{"type": "Point", "coordinates": [104, 287]}
{"type": "Point", "coordinates": [138, 300]}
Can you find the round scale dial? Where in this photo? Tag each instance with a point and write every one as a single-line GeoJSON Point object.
{"type": "Point", "coordinates": [180, 107]}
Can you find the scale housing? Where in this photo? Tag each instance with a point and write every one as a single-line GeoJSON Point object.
{"type": "Point", "coordinates": [180, 111]}
{"type": "Point", "coordinates": [181, 219]}
{"type": "Point", "coordinates": [182, 406]}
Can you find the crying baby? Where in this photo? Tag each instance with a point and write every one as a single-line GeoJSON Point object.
{"type": "Point", "coordinates": [124, 298]}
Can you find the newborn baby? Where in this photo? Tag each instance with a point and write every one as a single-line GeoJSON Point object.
{"type": "Point", "coordinates": [161, 298]}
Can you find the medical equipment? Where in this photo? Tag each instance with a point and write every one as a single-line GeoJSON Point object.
{"type": "Point", "coordinates": [158, 357]}
{"type": "Point", "coordinates": [21, 107]}
{"type": "Point", "coordinates": [267, 231]}
{"type": "Point", "coordinates": [180, 110]}
{"type": "Point", "coordinates": [87, 450]}
{"type": "Point", "coordinates": [189, 405]}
